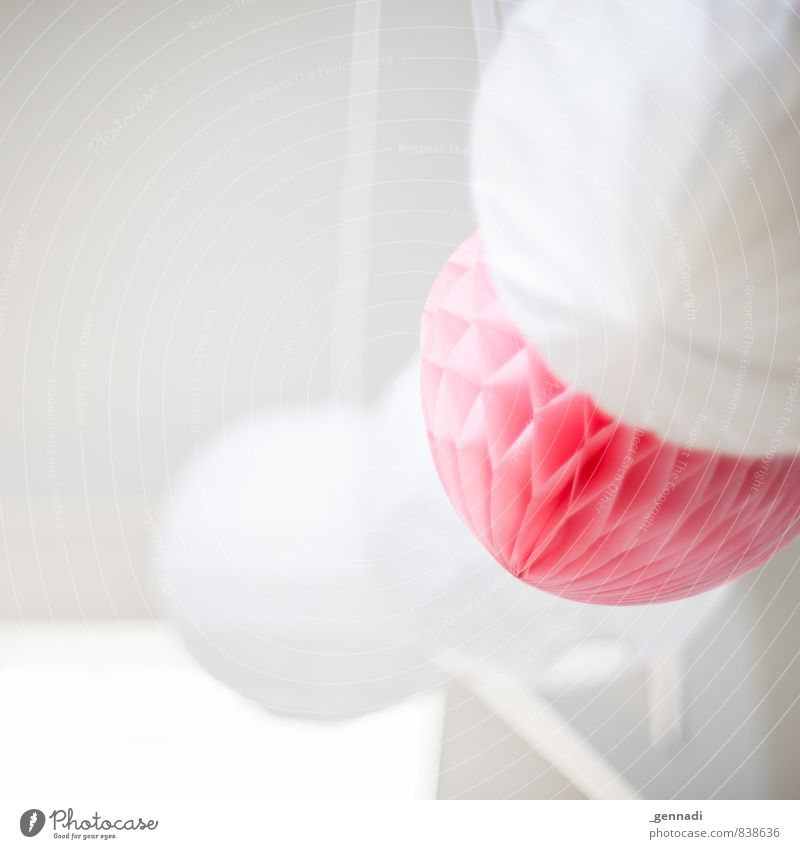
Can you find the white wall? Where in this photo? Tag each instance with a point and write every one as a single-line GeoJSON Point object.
{"type": "Point", "coordinates": [162, 280]}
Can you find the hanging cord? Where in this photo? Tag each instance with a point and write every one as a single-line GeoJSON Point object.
{"type": "Point", "coordinates": [665, 702]}
{"type": "Point", "coordinates": [352, 291]}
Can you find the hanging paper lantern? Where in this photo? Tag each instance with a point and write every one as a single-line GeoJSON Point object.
{"type": "Point", "coordinates": [563, 495]}
{"type": "Point", "coordinates": [447, 588]}
{"type": "Point", "coordinates": [269, 575]}
{"type": "Point", "coordinates": [636, 182]}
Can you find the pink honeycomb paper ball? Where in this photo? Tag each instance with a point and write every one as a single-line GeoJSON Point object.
{"type": "Point", "coordinates": [564, 496]}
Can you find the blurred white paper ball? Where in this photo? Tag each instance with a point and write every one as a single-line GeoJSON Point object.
{"type": "Point", "coordinates": [316, 566]}
{"type": "Point", "coordinates": [636, 180]}
{"type": "Point", "coordinates": [462, 599]}
{"type": "Point", "coordinates": [271, 580]}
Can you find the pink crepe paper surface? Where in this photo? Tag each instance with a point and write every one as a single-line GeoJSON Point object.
{"type": "Point", "coordinates": [567, 498]}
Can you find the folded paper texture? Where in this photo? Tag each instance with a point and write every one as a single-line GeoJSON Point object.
{"type": "Point", "coordinates": [563, 495]}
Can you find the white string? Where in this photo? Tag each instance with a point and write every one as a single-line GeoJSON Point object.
{"type": "Point", "coordinates": [665, 702]}
{"type": "Point", "coordinates": [352, 291]}
{"type": "Point", "coordinates": [485, 28]}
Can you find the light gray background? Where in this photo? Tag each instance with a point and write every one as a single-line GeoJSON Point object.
{"type": "Point", "coordinates": [167, 279]}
